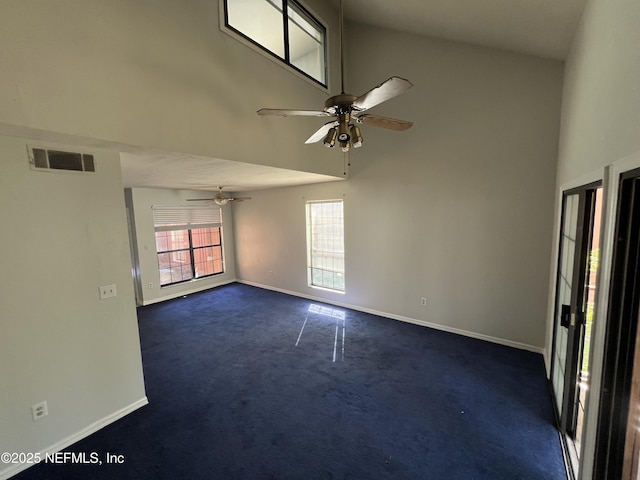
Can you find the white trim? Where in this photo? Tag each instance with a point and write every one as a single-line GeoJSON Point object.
{"type": "Point", "coordinates": [79, 435]}
{"type": "Point", "coordinates": [610, 208]}
{"type": "Point", "coordinates": [435, 326]}
{"type": "Point", "coordinates": [186, 292]}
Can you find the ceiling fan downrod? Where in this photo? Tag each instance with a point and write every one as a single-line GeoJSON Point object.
{"type": "Point", "coordinates": [341, 48]}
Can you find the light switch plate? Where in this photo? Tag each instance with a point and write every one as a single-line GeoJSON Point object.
{"type": "Point", "coordinates": [107, 291]}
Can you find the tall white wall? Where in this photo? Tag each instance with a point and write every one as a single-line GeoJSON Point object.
{"type": "Point", "coordinates": [458, 209]}
{"type": "Point", "coordinates": [156, 74]}
{"type": "Point", "coordinates": [140, 202]}
{"type": "Point", "coordinates": [64, 234]}
{"type": "Point", "coordinates": [600, 131]}
{"type": "Point", "coordinates": [601, 101]}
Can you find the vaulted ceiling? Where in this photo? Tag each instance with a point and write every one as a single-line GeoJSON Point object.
{"type": "Point", "coordinates": [542, 28]}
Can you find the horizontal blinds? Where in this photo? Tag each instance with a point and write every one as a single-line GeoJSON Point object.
{"type": "Point", "coordinates": [183, 217]}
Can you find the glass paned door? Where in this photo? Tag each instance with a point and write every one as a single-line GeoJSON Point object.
{"type": "Point", "coordinates": [563, 296]}
{"type": "Point", "coordinates": [574, 306]}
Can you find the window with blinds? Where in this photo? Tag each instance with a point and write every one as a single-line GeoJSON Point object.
{"type": "Point", "coordinates": [188, 243]}
{"type": "Point", "coordinates": [325, 244]}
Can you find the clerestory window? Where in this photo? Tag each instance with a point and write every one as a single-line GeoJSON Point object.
{"type": "Point", "coordinates": [285, 30]}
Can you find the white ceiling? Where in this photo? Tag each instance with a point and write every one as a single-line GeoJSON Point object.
{"type": "Point", "coordinates": [544, 28]}
{"type": "Point", "coordinates": [191, 172]}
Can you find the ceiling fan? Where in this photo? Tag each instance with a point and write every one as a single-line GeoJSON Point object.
{"type": "Point", "coordinates": [348, 109]}
{"type": "Point", "coordinates": [220, 198]}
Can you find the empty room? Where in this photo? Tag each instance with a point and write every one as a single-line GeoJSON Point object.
{"type": "Point", "coordinates": [316, 239]}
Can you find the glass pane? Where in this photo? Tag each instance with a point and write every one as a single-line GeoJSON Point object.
{"type": "Point", "coordinates": [306, 44]}
{"type": "Point", "coordinates": [208, 261]}
{"type": "Point", "coordinates": [260, 20]}
{"type": "Point", "coordinates": [174, 267]}
{"type": "Point", "coordinates": [204, 237]}
{"type": "Point", "coordinates": [162, 241]}
{"type": "Point", "coordinates": [589, 301]}
{"type": "Point", "coordinates": [172, 240]}
{"type": "Point", "coordinates": [568, 245]}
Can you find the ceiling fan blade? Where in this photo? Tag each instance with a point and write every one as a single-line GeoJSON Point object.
{"type": "Point", "coordinates": [240, 199]}
{"type": "Point", "coordinates": [321, 132]}
{"type": "Point", "coordinates": [200, 199]}
{"type": "Point", "coordinates": [384, 122]}
{"type": "Point", "coordinates": [383, 92]}
{"type": "Point", "coordinates": [286, 113]}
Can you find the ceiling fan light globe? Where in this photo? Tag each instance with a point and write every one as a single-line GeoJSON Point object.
{"type": "Point", "coordinates": [345, 146]}
{"type": "Point", "coordinates": [330, 139]}
{"type": "Point", "coordinates": [356, 136]}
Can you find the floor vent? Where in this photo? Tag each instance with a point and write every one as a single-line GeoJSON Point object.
{"type": "Point", "coordinates": [43, 159]}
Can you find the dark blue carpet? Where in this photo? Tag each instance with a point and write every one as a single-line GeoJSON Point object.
{"type": "Point", "coordinates": [359, 397]}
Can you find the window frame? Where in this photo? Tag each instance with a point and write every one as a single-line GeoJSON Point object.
{"type": "Point", "coordinates": [310, 248]}
{"type": "Point", "coordinates": [285, 62]}
{"type": "Point", "coordinates": [190, 250]}
{"type": "Point", "coordinates": [186, 219]}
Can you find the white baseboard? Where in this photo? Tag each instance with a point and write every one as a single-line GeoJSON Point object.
{"type": "Point", "coordinates": [70, 440]}
{"type": "Point", "coordinates": [444, 328]}
{"type": "Point", "coordinates": [173, 295]}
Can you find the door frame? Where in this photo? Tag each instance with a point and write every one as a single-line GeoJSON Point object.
{"type": "Point", "coordinates": [620, 334]}
{"type": "Point", "coordinates": [610, 175]}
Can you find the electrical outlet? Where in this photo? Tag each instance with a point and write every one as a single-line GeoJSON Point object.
{"type": "Point", "coordinates": [107, 291]}
{"type": "Point", "coordinates": [423, 301]}
{"type": "Point", "coordinates": [39, 410]}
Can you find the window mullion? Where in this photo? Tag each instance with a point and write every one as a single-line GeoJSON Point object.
{"type": "Point", "coordinates": [285, 24]}
{"type": "Point", "coordinates": [191, 256]}
{"type": "Point", "coordinates": [174, 250]}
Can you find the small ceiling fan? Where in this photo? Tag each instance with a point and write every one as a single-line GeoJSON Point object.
{"type": "Point", "coordinates": [220, 198]}
{"type": "Point", "coordinates": [348, 109]}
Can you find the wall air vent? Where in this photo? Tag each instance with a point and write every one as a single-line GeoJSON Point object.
{"type": "Point", "coordinates": [44, 159]}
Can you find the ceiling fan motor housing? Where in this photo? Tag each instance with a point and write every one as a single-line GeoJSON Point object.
{"type": "Point", "coordinates": [339, 104]}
